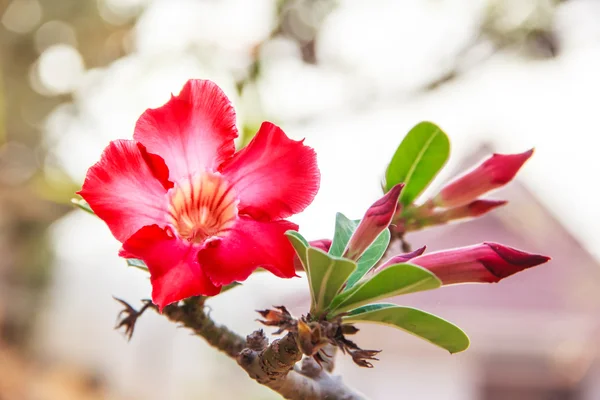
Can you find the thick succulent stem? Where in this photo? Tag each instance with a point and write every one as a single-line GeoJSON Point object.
{"type": "Point", "coordinates": [273, 365]}
{"type": "Point", "coordinates": [192, 315]}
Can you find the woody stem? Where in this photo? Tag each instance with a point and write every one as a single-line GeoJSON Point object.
{"type": "Point", "coordinates": [192, 315]}
{"type": "Point", "coordinates": [273, 365]}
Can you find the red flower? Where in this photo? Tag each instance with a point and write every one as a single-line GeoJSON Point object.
{"type": "Point", "coordinates": [493, 173]}
{"type": "Point", "coordinates": [485, 262]}
{"type": "Point", "coordinates": [199, 215]}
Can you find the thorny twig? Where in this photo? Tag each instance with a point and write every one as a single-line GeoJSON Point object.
{"type": "Point", "coordinates": [131, 316]}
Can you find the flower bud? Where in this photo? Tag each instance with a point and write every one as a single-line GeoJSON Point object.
{"type": "Point", "coordinates": [322, 244]}
{"type": "Point", "coordinates": [493, 173]}
{"type": "Point", "coordinates": [482, 263]}
{"type": "Point", "coordinates": [401, 258]}
{"type": "Point", "coordinates": [377, 218]}
{"type": "Point", "coordinates": [474, 209]}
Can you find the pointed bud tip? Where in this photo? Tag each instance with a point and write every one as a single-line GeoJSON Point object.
{"type": "Point", "coordinates": [505, 166]}
{"type": "Point", "coordinates": [387, 203]}
{"type": "Point", "coordinates": [480, 207]}
{"type": "Point", "coordinates": [395, 191]}
{"type": "Point", "coordinates": [402, 258]}
{"type": "Point", "coordinates": [493, 173]}
{"type": "Point", "coordinates": [517, 257]}
{"type": "Point", "coordinates": [481, 263]}
{"type": "Point", "coordinates": [418, 251]}
{"type": "Point", "coordinates": [526, 155]}
{"type": "Point", "coordinates": [377, 218]}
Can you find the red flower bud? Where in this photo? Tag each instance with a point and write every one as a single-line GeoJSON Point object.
{"type": "Point", "coordinates": [401, 258]}
{"type": "Point", "coordinates": [493, 173]}
{"type": "Point", "coordinates": [377, 218]}
{"type": "Point", "coordinates": [322, 244]}
{"type": "Point", "coordinates": [474, 209]}
{"type": "Point", "coordinates": [483, 263]}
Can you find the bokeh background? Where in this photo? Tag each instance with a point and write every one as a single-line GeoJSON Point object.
{"type": "Point", "coordinates": [352, 77]}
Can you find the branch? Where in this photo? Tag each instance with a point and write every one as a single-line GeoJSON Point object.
{"type": "Point", "coordinates": [274, 365]}
{"type": "Point", "coordinates": [193, 316]}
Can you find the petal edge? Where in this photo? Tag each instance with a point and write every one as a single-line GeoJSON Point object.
{"type": "Point", "coordinates": [274, 176]}
{"type": "Point", "coordinates": [193, 131]}
{"type": "Point", "coordinates": [123, 190]}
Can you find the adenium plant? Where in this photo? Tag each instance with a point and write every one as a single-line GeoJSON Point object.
{"type": "Point", "coordinates": [200, 218]}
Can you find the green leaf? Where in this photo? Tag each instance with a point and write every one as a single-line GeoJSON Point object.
{"type": "Point", "coordinates": [344, 228]}
{"type": "Point", "coordinates": [417, 322]}
{"type": "Point", "coordinates": [418, 159]}
{"type": "Point", "coordinates": [299, 244]}
{"type": "Point", "coordinates": [369, 307]}
{"type": "Point", "coordinates": [139, 264]}
{"type": "Point", "coordinates": [326, 277]}
{"type": "Point", "coordinates": [392, 281]}
{"type": "Point", "coordinates": [298, 236]}
{"type": "Point", "coordinates": [370, 258]}
{"type": "Point", "coordinates": [83, 205]}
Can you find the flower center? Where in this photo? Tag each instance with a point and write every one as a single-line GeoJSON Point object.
{"type": "Point", "coordinates": [203, 207]}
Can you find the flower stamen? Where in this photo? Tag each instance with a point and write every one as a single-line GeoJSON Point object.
{"type": "Point", "coordinates": [203, 207]}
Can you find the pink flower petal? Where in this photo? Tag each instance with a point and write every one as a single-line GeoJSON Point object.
{"type": "Point", "coordinates": [175, 273]}
{"type": "Point", "coordinates": [249, 245]}
{"type": "Point", "coordinates": [274, 176]}
{"type": "Point", "coordinates": [192, 132]}
{"type": "Point", "coordinates": [124, 190]}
